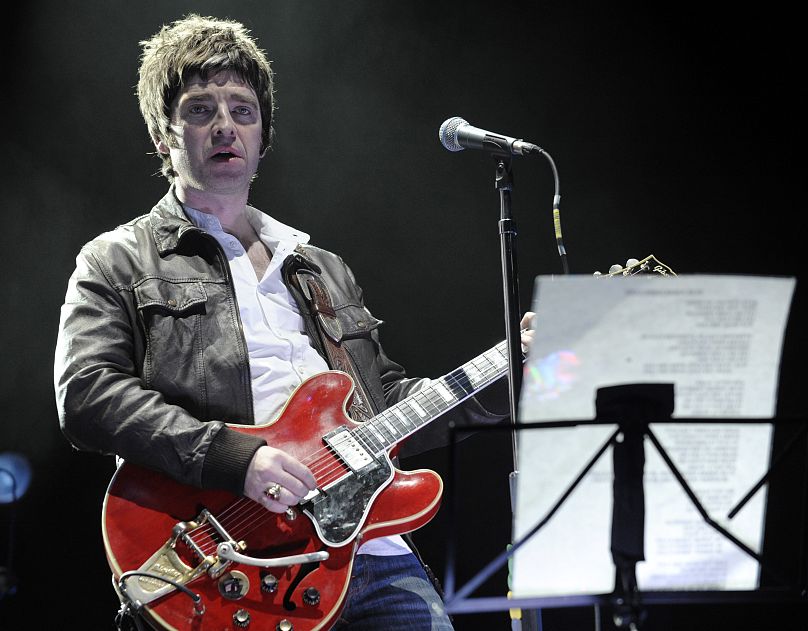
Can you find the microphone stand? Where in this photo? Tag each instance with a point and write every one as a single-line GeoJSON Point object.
{"type": "Point", "coordinates": [510, 286]}
{"type": "Point", "coordinates": [528, 620]}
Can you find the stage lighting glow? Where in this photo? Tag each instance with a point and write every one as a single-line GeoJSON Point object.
{"type": "Point", "coordinates": [15, 476]}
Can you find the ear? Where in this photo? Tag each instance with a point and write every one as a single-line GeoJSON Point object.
{"type": "Point", "coordinates": [161, 146]}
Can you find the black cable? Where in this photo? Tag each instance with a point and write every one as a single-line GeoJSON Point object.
{"type": "Point", "coordinates": [192, 595]}
{"type": "Point", "coordinates": [562, 251]}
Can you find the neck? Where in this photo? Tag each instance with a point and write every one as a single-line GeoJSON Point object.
{"type": "Point", "coordinates": [228, 208]}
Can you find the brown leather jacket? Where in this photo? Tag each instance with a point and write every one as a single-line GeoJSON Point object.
{"type": "Point", "coordinates": [151, 361]}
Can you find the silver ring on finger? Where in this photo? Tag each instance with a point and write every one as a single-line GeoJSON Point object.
{"type": "Point", "coordinates": [273, 491]}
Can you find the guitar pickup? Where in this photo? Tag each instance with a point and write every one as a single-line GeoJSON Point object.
{"type": "Point", "coordinates": [349, 450]}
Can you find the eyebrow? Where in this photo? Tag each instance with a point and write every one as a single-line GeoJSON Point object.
{"type": "Point", "coordinates": [205, 96]}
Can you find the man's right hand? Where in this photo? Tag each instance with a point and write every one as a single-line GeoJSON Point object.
{"type": "Point", "coordinates": [276, 470]}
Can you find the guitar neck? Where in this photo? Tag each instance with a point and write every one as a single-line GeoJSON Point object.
{"type": "Point", "coordinates": [420, 408]}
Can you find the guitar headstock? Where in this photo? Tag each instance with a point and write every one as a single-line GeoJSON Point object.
{"type": "Point", "coordinates": [649, 265]}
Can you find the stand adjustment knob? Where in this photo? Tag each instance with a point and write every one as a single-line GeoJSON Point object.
{"type": "Point", "coordinates": [241, 618]}
{"type": "Point", "coordinates": [311, 596]}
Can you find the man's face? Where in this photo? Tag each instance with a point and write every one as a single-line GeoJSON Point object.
{"type": "Point", "coordinates": [217, 134]}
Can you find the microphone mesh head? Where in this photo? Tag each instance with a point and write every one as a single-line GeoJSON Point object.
{"type": "Point", "coordinates": [448, 133]}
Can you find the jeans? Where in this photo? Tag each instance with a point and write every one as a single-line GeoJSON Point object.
{"type": "Point", "coordinates": [391, 593]}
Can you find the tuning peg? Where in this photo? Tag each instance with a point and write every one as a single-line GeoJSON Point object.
{"type": "Point", "coordinates": [597, 274]}
{"type": "Point", "coordinates": [615, 268]}
{"type": "Point", "coordinates": [632, 262]}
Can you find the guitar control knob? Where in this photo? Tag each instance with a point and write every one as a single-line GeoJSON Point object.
{"type": "Point", "coordinates": [241, 618]}
{"type": "Point", "coordinates": [269, 584]}
{"type": "Point", "coordinates": [311, 596]}
{"type": "Point", "coordinates": [285, 625]}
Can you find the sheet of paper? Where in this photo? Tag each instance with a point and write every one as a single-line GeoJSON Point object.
{"type": "Point", "coordinates": [718, 339]}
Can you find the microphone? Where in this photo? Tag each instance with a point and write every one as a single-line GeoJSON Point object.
{"type": "Point", "coordinates": [456, 134]}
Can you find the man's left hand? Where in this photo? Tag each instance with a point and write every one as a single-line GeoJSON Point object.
{"type": "Point", "coordinates": [526, 325]}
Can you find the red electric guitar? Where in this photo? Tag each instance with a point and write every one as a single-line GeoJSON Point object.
{"type": "Point", "coordinates": [192, 559]}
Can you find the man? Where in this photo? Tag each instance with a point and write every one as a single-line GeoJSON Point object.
{"type": "Point", "coordinates": [193, 316]}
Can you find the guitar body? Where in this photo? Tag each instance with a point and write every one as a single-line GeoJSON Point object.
{"type": "Point", "coordinates": [146, 515]}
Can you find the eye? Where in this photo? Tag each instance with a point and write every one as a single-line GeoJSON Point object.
{"type": "Point", "coordinates": [242, 110]}
{"type": "Point", "coordinates": [197, 108]}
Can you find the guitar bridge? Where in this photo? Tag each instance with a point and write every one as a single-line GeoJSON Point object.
{"type": "Point", "coordinates": [157, 576]}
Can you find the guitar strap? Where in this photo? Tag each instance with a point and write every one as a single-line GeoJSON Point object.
{"type": "Point", "coordinates": [319, 300]}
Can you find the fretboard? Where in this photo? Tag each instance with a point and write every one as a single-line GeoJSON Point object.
{"type": "Point", "coordinates": [409, 415]}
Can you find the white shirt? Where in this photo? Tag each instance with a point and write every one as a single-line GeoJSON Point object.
{"type": "Point", "coordinates": [280, 353]}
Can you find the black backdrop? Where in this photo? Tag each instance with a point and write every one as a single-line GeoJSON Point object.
{"type": "Point", "coordinates": [677, 131]}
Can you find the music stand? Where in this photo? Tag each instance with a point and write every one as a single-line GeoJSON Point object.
{"type": "Point", "coordinates": [634, 408]}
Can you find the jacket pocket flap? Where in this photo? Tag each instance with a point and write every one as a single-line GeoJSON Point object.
{"type": "Point", "coordinates": [170, 295]}
{"type": "Point", "coordinates": [356, 321]}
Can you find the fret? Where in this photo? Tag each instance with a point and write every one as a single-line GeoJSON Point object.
{"type": "Point", "coordinates": [474, 374]}
{"type": "Point", "coordinates": [363, 438]}
{"type": "Point", "coordinates": [423, 406]}
{"type": "Point", "coordinates": [393, 429]}
{"type": "Point", "coordinates": [418, 409]}
{"type": "Point", "coordinates": [369, 429]}
{"type": "Point", "coordinates": [439, 403]}
{"type": "Point", "coordinates": [378, 424]}
{"type": "Point", "coordinates": [431, 402]}
{"type": "Point", "coordinates": [460, 383]}
{"type": "Point", "coordinates": [491, 365]}
{"type": "Point", "coordinates": [401, 416]}
{"type": "Point", "coordinates": [443, 391]}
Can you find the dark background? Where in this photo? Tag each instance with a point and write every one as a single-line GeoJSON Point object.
{"type": "Point", "coordinates": [677, 131]}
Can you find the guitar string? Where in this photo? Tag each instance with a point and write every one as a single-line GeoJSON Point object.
{"type": "Point", "coordinates": [243, 522]}
{"type": "Point", "coordinates": [428, 398]}
{"type": "Point", "coordinates": [323, 467]}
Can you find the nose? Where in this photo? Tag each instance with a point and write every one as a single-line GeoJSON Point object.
{"type": "Point", "coordinates": [223, 124]}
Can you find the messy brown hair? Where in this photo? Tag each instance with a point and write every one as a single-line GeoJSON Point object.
{"type": "Point", "coordinates": [204, 46]}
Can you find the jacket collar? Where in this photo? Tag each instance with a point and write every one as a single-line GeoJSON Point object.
{"type": "Point", "coordinates": [169, 223]}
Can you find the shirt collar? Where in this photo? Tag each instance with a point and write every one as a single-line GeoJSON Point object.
{"type": "Point", "coordinates": [270, 230]}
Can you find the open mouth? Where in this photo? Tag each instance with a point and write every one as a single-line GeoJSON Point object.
{"type": "Point", "coordinates": [223, 156]}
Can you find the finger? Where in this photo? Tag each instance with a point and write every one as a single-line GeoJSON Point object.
{"type": "Point", "coordinates": [300, 473]}
{"type": "Point", "coordinates": [276, 506]}
{"type": "Point", "coordinates": [277, 493]}
{"type": "Point", "coordinates": [274, 465]}
{"type": "Point", "coordinates": [290, 484]}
